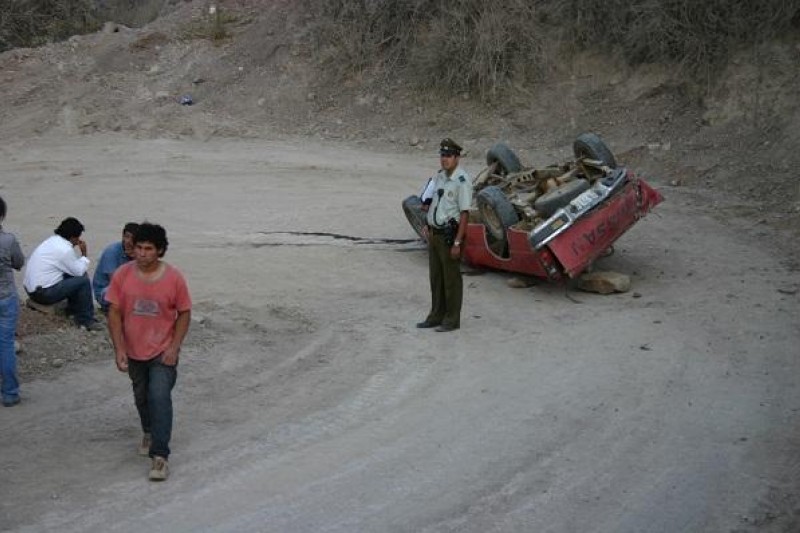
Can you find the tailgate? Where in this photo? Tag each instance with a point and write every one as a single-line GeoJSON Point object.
{"type": "Point", "coordinates": [589, 236]}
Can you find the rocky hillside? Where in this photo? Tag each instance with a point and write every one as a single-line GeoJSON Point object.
{"type": "Point", "coordinates": [737, 137]}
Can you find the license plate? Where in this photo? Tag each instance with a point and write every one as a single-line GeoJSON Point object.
{"type": "Point", "coordinates": [585, 200]}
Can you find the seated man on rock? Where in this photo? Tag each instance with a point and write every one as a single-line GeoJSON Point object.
{"type": "Point", "coordinates": [114, 255]}
{"type": "Point", "coordinates": [56, 271]}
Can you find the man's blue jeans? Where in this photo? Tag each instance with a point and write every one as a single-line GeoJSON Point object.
{"type": "Point", "coordinates": [78, 293]}
{"type": "Point", "coordinates": [9, 312]}
{"type": "Point", "coordinates": [152, 391]}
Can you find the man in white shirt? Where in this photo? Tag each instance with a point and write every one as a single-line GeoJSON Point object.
{"type": "Point", "coordinates": [56, 271]}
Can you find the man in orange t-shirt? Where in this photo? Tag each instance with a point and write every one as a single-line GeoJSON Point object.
{"type": "Point", "coordinates": [148, 318]}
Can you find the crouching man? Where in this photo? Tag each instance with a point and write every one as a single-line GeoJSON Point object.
{"type": "Point", "coordinates": [148, 318]}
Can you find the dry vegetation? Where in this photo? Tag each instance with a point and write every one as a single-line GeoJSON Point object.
{"type": "Point", "coordinates": [482, 46]}
{"type": "Point", "coordinates": [26, 23]}
{"type": "Point", "coordinates": [475, 46]}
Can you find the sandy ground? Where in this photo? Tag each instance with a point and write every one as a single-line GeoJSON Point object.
{"type": "Point", "coordinates": [308, 401]}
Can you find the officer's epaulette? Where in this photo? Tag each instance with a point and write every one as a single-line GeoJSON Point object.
{"type": "Point", "coordinates": [461, 179]}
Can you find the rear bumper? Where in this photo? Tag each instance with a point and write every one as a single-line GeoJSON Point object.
{"type": "Point", "coordinates": [568, 242]}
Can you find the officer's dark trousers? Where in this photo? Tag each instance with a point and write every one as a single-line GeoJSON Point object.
{"type": "Point", "coordinates": [446, 284]}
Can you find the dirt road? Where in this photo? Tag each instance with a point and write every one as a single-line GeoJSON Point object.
{"type": "Point", "coordinates": [307, 401]}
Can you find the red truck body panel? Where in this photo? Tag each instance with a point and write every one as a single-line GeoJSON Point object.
{"type": "Point", "coordinates": [573, 250]}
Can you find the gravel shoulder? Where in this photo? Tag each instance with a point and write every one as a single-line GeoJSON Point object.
{"type": "Point", "coordinates": [307, 401]}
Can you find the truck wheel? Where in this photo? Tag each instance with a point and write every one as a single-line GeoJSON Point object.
{"type": "Point", "coordinates": [496, 211]}
{"type": "Point", "coordinates": [412, 207]}
{"type": "Point", "coordinates": [505, 158]}
{"type": "Point", "coordinates": [548, 203]}
{"type": "Point", "coordinates": [591, 146]}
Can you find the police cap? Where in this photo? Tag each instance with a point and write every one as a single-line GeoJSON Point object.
{"type": "Point", "coordinates": [449, 147]}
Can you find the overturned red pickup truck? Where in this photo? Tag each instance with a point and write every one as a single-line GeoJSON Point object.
{"type": "Point", "coordinates": [552, 222]}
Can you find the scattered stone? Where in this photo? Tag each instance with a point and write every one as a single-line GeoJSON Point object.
{"type": "Point", "coordinates": [604, 282]}
{"type": "Point", "coordinates": [55, 309]}
{"type": "Point", "coordinates": [520, 283]}
{"type": "Point", "coordinates": [110, 27]}
{"type": "Point", "coordinates": [413, 141]}
{"type": "Point", "coordinates": [57, 363]}
{"type": "Point", "coordinates": [788, 291]}
{"type": "Point", "coordinates": [17, 347]}
{"type": "Point", "coordinates": [636, 295]}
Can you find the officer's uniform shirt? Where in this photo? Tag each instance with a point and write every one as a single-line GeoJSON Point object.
{"type": "Point", "coordinates": [457, 197]}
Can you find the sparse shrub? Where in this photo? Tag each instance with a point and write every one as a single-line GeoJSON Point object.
{"type": "Point", "coordinates": [211, 26]}
{"type": "Point", "coordinates": [455, 45]}
{"type": "Point", "coordinates": [482, 46]}
{"type": "Point", "coordinates": [697, 36]}
{"type": "Point", "coordinates": [36, 22]}
{"type": "Point", "coordinates": [131, 13]}
{"type": "Point", "coordinates": [479, 46]}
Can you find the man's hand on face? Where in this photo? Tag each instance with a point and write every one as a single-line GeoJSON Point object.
{"type": "Point", "coordinates": [81, 244]}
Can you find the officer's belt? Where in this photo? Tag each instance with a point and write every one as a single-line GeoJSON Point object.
{"type": "Point", "coordinates": [438, 230]}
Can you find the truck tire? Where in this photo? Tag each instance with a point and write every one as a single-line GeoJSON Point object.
{"type": "Point", "coordinates": [548, 203]}
{"type": "Point", "coordinates": [506, 159]}
{"type": "Point", "coordinates": [412, 207]}
{"type": "Point", "coordinates": [591, 146]}
{"type": "Point", "coordinates": [497, 212]}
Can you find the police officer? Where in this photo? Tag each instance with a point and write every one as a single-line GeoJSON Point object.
{"type": "Point", "coordinates": [445, 231]}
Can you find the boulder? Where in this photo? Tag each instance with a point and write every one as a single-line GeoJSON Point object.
{"type": "Point", "coordinates": [604, 282]}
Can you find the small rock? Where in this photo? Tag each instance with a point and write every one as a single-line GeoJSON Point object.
{"type": "Point", "coordinates": [17, 347]}
{"type": "Point", "coordinates": [604, 282]}
{"type": "Point", "coordinates": [261, 102]}
{"type": "Point", "coordinates": [413, 141]}
{"type": "Point", "coordinates": [57, 362]}
{"type": "Point", "coordinates": [636, 295]}
{"type": "Point", "coordinates": [520, 283]}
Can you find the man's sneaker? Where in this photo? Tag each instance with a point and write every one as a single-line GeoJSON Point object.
{"type": "Point", "coordinates": [92, 326]}
{"type": "Point", "coordinates": [144, 446]}
{"type": "Point", "coordinates": [10, 402]}
{"type": "Point", "coordinates": [159, 471]}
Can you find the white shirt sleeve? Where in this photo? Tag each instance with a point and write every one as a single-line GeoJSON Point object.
{"type": "Point", "coordinates": [427, 192]}
{"type": "Point", "coordinates": [73, 264]}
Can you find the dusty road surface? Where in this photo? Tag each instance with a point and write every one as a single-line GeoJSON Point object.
{"type": "Point", "coordinates": [307, 400]}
